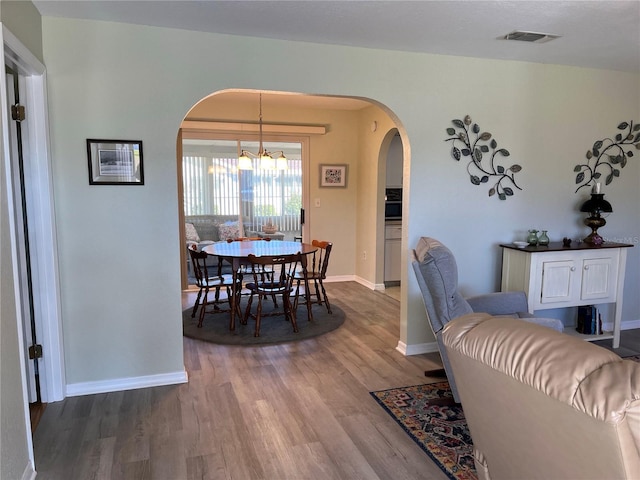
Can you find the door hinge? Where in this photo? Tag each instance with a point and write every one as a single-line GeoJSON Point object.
{"type": "Point", "coordinates": [17, 112]}
{"type": "Point", "coordinates": [35, 351]}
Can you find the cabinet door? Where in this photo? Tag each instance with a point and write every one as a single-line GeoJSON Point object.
{"type": "Point", "coordinates": [599, 279]}
{"type": "Point", "coordinates": [558, 280]}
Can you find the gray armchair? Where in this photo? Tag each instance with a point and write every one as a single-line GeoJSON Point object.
{"type": "Point", "coordinates": [437, 274]}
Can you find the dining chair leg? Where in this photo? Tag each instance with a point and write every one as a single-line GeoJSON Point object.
{"type": "Point", "coordinates": [247, 311]}
{"type": "Point", "coordinates": [307, 297]}
{"type": "Point", "coordinates": [203, 308]}
{"type": "Point", "coordinates": [258, 316]}
{"type": "Point", "coordinates": [318, 297]}
{"type": "Point", "coordinates": [289, 312]}
{"type": "Point", "coordinates": [237, 292]}
{"type": "Point", "coordinates": [326, 299]}
{"type": "Point", "coordinates": [296, 296]}
{"type": "Point", "coordinates": [195, 305]}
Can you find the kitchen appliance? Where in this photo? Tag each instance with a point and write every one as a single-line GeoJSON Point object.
{"type": "Point", "coordinates": [393, 204]}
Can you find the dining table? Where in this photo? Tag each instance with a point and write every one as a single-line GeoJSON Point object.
{"type": "Point", "coordinates": [237, 254]}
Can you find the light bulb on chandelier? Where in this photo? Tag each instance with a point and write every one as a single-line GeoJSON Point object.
{"type": "Point", "coordinates": [267, 162]}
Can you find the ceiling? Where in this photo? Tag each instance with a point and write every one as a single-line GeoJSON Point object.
{"type": "Point", "coordinates": [596, 34]}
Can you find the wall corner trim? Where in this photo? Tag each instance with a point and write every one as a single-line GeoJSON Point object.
{"type": "Point", "coordinates": [417, 349]}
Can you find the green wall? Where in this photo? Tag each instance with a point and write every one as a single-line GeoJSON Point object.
{"type": "Point", "coordinates": [23, 20]}
{"type": "Point", "coordinates": [109, 80]}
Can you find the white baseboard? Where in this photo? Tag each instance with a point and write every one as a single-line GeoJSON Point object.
{"type": "Point", "coordinates": [628, 325]}
{"type": "Point", "coordinates": [130, 383]}
{"type": "Point", "coordinates": [368, 284]}
{"type": "Point", "coordinates": [340, 278]}
{"type": "Point", "coordinates": [417, 349]}
{"type": "Point", "coordinates": [355, 278]}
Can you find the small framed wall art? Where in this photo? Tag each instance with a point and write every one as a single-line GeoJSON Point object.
{"type": "Point", "coordinates": [115, 162]}
{"type": "Point", "coordinates": [333, 175]}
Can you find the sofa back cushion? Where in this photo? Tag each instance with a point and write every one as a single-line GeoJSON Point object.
{"type": "Point", "coordinates": [229, 231]}
{"type": "Point", "coordinates": [191, 233]}
{"type": "Point", "coordinates": [207, 225]}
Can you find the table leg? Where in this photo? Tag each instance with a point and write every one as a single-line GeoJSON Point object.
{"type": "Point", "coordinates": [235, 293]}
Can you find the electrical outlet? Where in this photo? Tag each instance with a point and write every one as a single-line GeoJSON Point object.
{"type": "Point", "coordinates": [364, 255]}
{"type": "Point", "coordinates": [317, 202]}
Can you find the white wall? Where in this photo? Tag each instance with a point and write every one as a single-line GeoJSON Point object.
{"type": "Point", "coordinates": [121, 81]}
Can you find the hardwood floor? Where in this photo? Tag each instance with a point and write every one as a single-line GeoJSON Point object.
{"type": "Point", "coordinates": [629, 343]}
{"type": "Point", "coordinates": [300, 411]}
{"type": "Point", "coordinates": [293, 411]}
{"type": "Point", "coordinates": [36, 410]}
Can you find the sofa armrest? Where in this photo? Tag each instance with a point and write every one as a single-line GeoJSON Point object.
{"type": "Point", "coordinates": [500, 303]}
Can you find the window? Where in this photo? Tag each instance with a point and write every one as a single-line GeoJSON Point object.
{"type": "Point", "coordinates": [213, 185]}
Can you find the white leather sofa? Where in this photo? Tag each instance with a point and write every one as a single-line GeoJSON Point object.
{"type": "Point", "coordinates": [544, 405]}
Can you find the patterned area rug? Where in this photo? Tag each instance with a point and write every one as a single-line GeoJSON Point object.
{"type": "Point", "coordinates": [441, 431]}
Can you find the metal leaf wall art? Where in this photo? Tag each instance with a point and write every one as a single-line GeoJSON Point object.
{"type": "Point", "coordinates": [608, 156]}
{"type": "Point", "coordinates": [482, 150]}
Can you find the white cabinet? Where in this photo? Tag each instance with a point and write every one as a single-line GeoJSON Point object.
{"type": "Point", "coordinates": [392, 252]}
{"type": "Point", "coordinates": [557, 277]}
{"type": "Point", "coordinates": [585, 278]}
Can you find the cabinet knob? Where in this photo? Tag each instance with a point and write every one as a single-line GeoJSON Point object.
{"type": "Point", "coordinates": [586, 267]}
{"type": "Point", "coordinates": [573, 269]}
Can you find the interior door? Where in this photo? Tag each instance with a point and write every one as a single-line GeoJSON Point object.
{"type": "Point", "coordinates": [19, 180]}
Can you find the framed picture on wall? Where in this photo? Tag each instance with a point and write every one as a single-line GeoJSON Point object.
{"type": "Point", "coordinates": [115, 162]}
{"type": "Point", "coordinates": [333, 175]}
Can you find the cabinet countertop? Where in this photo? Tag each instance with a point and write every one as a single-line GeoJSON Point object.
{"type": "Point", "coordinates": [557, 247]}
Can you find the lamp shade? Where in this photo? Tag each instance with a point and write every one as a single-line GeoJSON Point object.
{"type": "Point", "coordinates": [244, 162]}
{"type": "Point", "coordinates": [596, 203]}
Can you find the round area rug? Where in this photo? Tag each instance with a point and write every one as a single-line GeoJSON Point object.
{"type": "Point", "coordinates": [275, 329]}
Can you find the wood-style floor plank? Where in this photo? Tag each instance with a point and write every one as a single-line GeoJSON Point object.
{"type": "Point", "coordinates": [297, 411]}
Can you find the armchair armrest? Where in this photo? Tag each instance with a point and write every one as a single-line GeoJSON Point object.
{"type": "Point", "coordinates": [501, 303]}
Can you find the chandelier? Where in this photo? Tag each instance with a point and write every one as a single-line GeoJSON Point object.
{"type": "Point", "coordinates": [266, 158]}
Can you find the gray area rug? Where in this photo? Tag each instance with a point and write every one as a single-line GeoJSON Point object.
{"type": "Point", "coordinates": [275, 329]}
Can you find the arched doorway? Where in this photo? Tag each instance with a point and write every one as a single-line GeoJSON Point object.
{"type": "Point", "coordinates": [338, 132]}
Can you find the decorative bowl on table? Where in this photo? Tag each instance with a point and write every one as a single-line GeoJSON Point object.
{"type": "Point", "coordinates": [269, 228]}
{"type": "Point", "coordinates": [521, 244]}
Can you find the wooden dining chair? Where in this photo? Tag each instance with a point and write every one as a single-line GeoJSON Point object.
{"type": "Point", "coordinates": [316, 273]}
{"type": "Point", "coordinates": [244, 268]}
{"type": "Point", "coordinates": [281, 283]}
{"type": "Point", "coordinates": [207, 282]}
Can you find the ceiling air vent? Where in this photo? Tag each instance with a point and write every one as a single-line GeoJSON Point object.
{"type": "Point", "coordinates": [532, 37]}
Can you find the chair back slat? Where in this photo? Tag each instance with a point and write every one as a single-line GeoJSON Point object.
{"type": "Point", "coordinates": [282, 266]}
{"type": "Point", "coordinates": [199, 263]}
{"type": "Point", "coordinates": [199, 260]}
{"type": "Point", "coordinates": [320, 260]}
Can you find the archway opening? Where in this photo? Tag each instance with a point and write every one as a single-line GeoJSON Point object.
{"type": "Point", "coordinates": [333, 131]}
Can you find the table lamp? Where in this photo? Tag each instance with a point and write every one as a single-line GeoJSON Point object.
{"type": "Point", "coordinates": [595, 206]}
